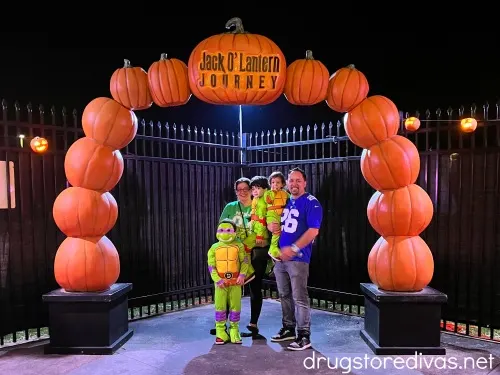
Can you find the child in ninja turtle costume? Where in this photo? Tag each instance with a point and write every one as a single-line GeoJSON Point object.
{"type": "Point", "coordinates": [258, 224]}
{"type": "Point", "coordinates": [228, 265]}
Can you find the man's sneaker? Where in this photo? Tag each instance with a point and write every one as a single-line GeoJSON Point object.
{"type": "Point", "coordinates": [301, 343]}
{"type": "Point", "coordinates": [213, 331]}
{"type": "Point", "coordinates": [284, 334]}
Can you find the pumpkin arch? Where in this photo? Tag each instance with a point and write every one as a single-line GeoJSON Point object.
{"type": "Point", "coordinates": [238, 68]}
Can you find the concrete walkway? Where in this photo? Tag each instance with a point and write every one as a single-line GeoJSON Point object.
{"type": "Point", "coordinates": [180, 343]}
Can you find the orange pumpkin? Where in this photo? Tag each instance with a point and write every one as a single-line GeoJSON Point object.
{"type": "Point", "coordinates": [412, 124]}
{"type": "Point", "coordinates": [89, 264]}
{"type": "Point", "coordinates": [347, 88]}
{"type": "Point", "coordinates": [306, 81]}
{"type": "Point", "coordinates": [391, 164]}
{"type": "Point", "coordinates": [468, 125]}
{"type": "Point", "coordinates": [109, 123]}
{"type": "Point", "coordinates": [401, 263]}
{"type": "Point", "coordinates": [39, 145]}
{"type": "Point", "coordinates": [80, 212]}
{"type": "Point", "coordinates": [93, 166]}
{"type": "Point", "coordinates": [237, 68]}
{"type": "Point", "coordinates": [129, 87]}
{"type": "Point", "coordinates": [375, 119]}
{"type": "Point", "coordinates": [406, 211]}
{"type": "Point", "coordinates": [168, 82]}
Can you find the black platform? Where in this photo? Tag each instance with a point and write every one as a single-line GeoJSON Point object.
{"type": "Point", "coordinates": [399, 323]}
{"type": "Point", "coordinates": [88, 323]}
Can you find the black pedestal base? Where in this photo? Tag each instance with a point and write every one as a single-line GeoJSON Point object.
{"type": "Point", "coordinates": [398, 323]}
{"type": "Point", "coordinates": [88, 323]}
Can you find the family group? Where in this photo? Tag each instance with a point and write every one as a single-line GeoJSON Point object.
{"type": "Point", "coordinates": [269, 229]}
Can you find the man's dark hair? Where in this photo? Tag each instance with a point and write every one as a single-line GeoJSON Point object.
{"type": "Point", "coordinates": [279, 175]}
{"type": "Point", "coordinates": [241, 180]}
{"type": "Point", "coordinates": [260, 181]}
{"type": "Point", "coordinates": [300, 170]}
{"type": "Point", "coordinates": [228, 221]}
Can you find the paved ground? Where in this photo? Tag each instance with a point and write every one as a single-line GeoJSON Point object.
{"type": "Point", "coordinates": [179, 343]}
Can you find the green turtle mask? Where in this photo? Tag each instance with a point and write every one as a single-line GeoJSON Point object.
{"type": "Point", "coordinates": [226, 233]}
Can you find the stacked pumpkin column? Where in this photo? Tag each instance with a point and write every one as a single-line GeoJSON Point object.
{"type": "Point", "coordinates": [399, 210]}
{"type": "Point", "coordinates": [87, 261]}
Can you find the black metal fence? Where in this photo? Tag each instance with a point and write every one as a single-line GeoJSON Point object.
{"type": "Point", "coordinates": [177, 180]}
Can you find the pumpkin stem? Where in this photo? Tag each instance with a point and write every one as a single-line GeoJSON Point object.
{"type": "Point", "coordinates": [163, 56]}
{"type": "Point", "coordinates": [309, 55]}
{"type": "Point", "coordinates": [350, 66]}
{"type": "Point", "coordinates": [126, 63]}
{"type": "Point", "coordinates": [238, 26]}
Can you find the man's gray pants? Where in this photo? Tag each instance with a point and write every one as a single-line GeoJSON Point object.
{"type": "Point", "coordinates": [291, 279]}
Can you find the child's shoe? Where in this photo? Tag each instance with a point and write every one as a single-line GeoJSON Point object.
{"type": "Point", "coordinates": [274, 252]}
{"type": "Point", "coordinates": [234, 333]}
{"type": "Point", "coordinates": [221, 336]}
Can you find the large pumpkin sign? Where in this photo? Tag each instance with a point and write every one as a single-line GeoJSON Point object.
{"type": "Point", "coordinates": [237, 67]}
{"type": "Point", "coordinates": [241, 68]}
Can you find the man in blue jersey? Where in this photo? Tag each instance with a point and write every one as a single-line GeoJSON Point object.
{"type": "Point", "coordinates": [300, 223]}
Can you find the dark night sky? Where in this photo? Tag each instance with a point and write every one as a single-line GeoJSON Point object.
{"type": "Point", "coordinates": [415, 71]}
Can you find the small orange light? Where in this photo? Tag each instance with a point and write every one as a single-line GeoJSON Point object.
{"type": "Point", "coordinates": [412, 124]}
{"type": "Point", "coordinates": [39, 145]}
{"type": "Point", "coordinates": [468, 125]}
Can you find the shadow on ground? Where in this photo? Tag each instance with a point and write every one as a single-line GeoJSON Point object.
{"type": "Point", "coordinates": [180, 343]}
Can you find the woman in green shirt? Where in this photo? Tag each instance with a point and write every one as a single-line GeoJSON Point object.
{"type": "Point", "coordinates": [240, 212]}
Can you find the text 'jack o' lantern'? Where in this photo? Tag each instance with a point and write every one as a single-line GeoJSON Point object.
{"type": "Point", "coordinates": [237, 68]}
